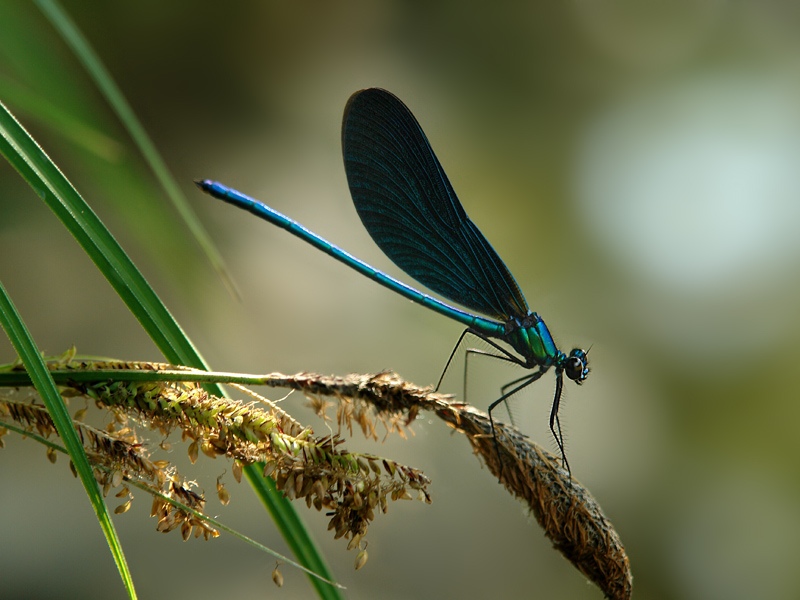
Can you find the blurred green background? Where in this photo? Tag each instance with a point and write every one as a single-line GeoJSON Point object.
{"type": "Point", "coordinates": [637, 169]}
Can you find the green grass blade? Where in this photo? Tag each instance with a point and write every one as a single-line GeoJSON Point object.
{"type": "Point", "coordinates": [105, 83]}
{"type": "Point", "coordinates": [25, 155]}
{"type": "Point", "coordinates": [49, 183]}
{"type": "Point", "coordinates": [29, 354]}
{"type": "Point", "coordinates": [57, 118]}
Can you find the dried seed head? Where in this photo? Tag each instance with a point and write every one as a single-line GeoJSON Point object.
{"type": "Point", "coordinates": [353, 486]}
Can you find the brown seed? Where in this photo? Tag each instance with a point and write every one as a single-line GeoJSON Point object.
{"type": "Point", "coordinates": [319, 489]}
{"type": "Point", "coordinates": [288, 487]}
{"type": "Point", "coordinates": [280, 478]}
{"type": "Point", "coordinates": [277, 577]}
{"type": "Point", "coordinates": [332, 523]}
{"type": "Point", "coordinates": [116, 478]}
{"type": "Point", "coordinates": [208, 449]}
{"type": "Point", "coordinates": [193, 452]}
{"type": "Point", "coordinates": [355, 541]}
{"type": "Point", "coordinates": [372, 499]}
{"type": "Point", "coordinates": [269, 468]}
{"type": "Point", "coordinates": [165, 523]}
{"type": "Point", "coordinates": [173, 525]}
{"type": "Point", "coordinates": [308, 484]}
{"type": "Point", "coordinates": [361, 559]}
{"type": "Point", "coordinates": [156, 506]}
{"type": "Point", "coordinates": [222, 492]}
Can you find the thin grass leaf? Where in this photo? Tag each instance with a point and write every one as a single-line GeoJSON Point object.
{"type": "Point", "coordinates": [105, 83]}
{"type": "Point", "coordinates": [53, 115]}
{"type": "Point", "coordinates": [29, 354]}
{"type": "Point", "coordinates": [52, 186]}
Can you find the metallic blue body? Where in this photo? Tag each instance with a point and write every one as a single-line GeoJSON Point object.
{"type": "Point", "coordinates": [231, 196]}
{"type": "Point", "coordinates": [408, 206]}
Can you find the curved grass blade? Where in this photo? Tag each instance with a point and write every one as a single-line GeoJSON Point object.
{"type": "Point", "coordinates": [105, 83]}
{"type": "Point", "coordinates": [53, 115]}
{"type": "Point", "coordinates": [52, 186]}
{"type": "Point", "coordinates": [39, 374]}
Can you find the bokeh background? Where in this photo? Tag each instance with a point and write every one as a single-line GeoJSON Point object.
{"type": "Point", "coordinates": [636, 165]}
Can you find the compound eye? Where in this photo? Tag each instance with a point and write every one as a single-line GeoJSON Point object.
{"type": "Point", "coordinates": [576, 367]}
{"type": "Point", "coordinates": [573, 368]}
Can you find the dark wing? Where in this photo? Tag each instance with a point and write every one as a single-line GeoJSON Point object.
{"type": "Point", "coordinates": [410, 209]}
